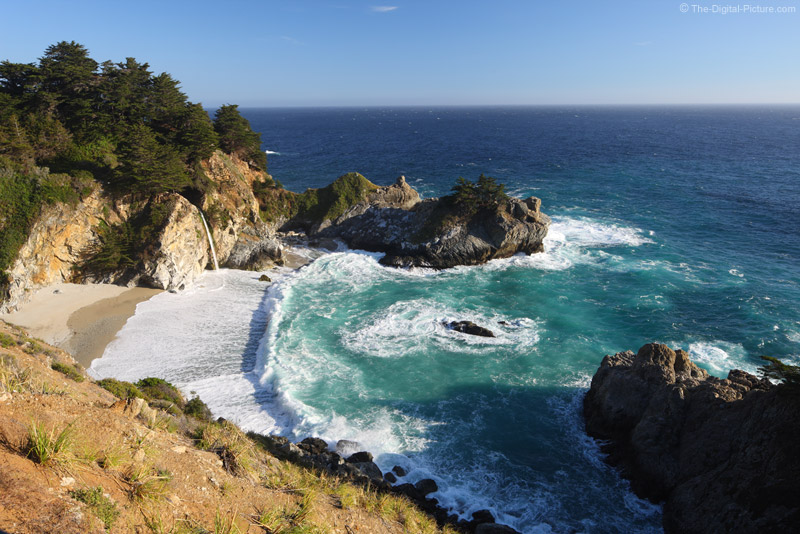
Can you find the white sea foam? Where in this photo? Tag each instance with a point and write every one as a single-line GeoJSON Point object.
{"type": "Point", "coordinates": [578, 241]}
{"type": "Point", "coordinates": [719, 357]}
{"type": "Point", "coordinates": [270, 152]}
{"type": "Point", "coordinates": [410, 327]}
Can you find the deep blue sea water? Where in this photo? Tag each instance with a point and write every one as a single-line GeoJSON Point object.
{"type": "Point", "coordinates": [677, 225]}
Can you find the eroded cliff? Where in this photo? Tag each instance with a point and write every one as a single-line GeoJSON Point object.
{"type": "Point", "coordinates": [720, 453]}
{"type": "Point", "coordinates": [66, 240]}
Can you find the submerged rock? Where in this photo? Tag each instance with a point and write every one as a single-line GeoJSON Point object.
{"type": "Point", "coordinates": [721, 454]}
{"type": "Point", "coordinates": [468, 327]}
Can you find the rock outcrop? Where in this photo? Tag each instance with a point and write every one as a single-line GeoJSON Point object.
{"type": "Point", "coordinates": [396, 221]}
{"type": "Point", "coordinates": [241, 238]}
{"type": "Point", "coordinates": [63, 235]}
{"type": "Point", "coordinates": [721, 454]}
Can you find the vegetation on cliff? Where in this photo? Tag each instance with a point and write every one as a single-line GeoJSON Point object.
{"type": "Point", "coordinates": [466, 200]}
{"type": "Point", "coordinates": [786, 374]}
{"type": "Point", "coordinates": [82, 460]}
{"type": "Point", "coordinates": [69, 123]}
{"type": "Point", "coordinates": [313, 206]}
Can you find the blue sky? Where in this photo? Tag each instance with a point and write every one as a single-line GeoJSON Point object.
{"type": "Point", "coordinates": [468, 52]}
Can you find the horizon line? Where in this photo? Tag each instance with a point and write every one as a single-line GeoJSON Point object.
{"type": "Point", "coordinates": [584, 105]}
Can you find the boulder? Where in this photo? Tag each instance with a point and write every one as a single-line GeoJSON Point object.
{"type": "Point", "coordinates": [370, 469]}
{"type": "Point", "coordinates": [426, 486]}
{"type": "Point", "coordinates": [720, 453]}
{"type": "Point", "coordinates": [313, 445]}
{"type": "Point", "coordinates": [482, 516]}
{"type": "Point", "coordinates": [359, 457]}
{"type": "Point", "coordinates": [399, 471]}
{"type": "Point", "coordinates": [468, 327]}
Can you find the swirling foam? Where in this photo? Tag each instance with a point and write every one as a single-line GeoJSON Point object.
{"type": "Point", "coordinates": [409, 327]}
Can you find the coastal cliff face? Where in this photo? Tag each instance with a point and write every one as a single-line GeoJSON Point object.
{"type": "Point", "coordinates": [396, 221]}
{"type": "Point", "coordinates": [241, 238]}
{"type": "Point", "coordinates": [721, 454]}
{"type": "Point", "coordinates": [63, 236]}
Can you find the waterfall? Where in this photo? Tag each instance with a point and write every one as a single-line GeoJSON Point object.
{"type": "Point", "coordinates": [210, 241]}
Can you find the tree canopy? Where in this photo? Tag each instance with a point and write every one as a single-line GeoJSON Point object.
{"type": "Point", "coordinates": [236, 136]}
{"type": "Point", "coordinates": [68, 120]}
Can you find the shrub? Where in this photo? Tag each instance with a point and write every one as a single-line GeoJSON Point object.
{"type": "Point", "coordinates": [123, 390]}
{"type": "Point", "coordinates": [6, 340]}
{"type": "Point", "coordinates": [198, 409]}
{"type": "Point", "coordinates": [104, 508]}
{"type": "Point", "coordinates": [159, 389]}
{"type": "Point", "coordinates": [70, 371]}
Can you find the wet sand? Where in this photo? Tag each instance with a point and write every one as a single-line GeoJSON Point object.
{"type": "Point", "coordinates": [79, 318]}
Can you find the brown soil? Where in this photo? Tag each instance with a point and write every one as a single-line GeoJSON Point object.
{"type": "Point", "coordinates": [109, 444]}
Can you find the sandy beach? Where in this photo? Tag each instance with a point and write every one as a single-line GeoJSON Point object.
{"type": "Point", "coordinates": [79, 318]}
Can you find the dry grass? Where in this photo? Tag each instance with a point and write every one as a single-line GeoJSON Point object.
{"type": "Point", "coordinates": [235, 449]}
{"type": "Point", "coordinates": [145, 481]}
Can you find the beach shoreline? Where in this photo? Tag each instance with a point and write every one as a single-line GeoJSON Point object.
{"type": "Point", "coordinates": [81, 319]}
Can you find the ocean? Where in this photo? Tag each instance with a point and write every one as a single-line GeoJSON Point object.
{"type": "Point", "coordinates": [679, 225]}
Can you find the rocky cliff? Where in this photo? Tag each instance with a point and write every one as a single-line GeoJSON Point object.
{"type": "Point", "coordinates": [242, 239]}
{"type": "Point", "coordinates": [426, 233]}
{"type": "Point", "coordinates": [721, 454]}
{"type": "Point", "coordinates": [64, 235]}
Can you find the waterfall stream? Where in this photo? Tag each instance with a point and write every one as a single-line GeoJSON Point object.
{"type": "Point", "coordinates": [210, 242]}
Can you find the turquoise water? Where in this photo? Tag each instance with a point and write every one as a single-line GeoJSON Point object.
{"type": "Point", "coordinates": [678, 226]}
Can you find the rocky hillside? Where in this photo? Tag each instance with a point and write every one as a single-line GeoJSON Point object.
{"type": "Point", "coordinates": [75, 458]}
{"type": "Point", "coordinates": [721, 454]}
{"type": "Point", "coordinates": [157, 241]}
{"type": "Point", "coordinates": [437, 232]}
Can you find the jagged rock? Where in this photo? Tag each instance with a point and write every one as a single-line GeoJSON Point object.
{"type": "Point", "coordinates": [721, 454]}
{"type": "Point", "coordinates": [242, 239]}
{"type": "Point", "coordinates": [468, 327]}
{"type": "Point", "coordinates": [264, 278]}
{"type": "Point", "coordinates": [63, 234]}
{"type": "Point", "coordinates": [129, 407]}
{"type": "Point", "coordinates": [370, 469]}
{"type": "Point", "coordinates": [482, 516]}
{"type": "Point", "coordinates": [426, 486]}
{"type": "Point", "coordinates": [313, 445]}
{"type": "Point", "coordinates": [358, 457]}
{"type": "Point", "coordinates": [395, 220]}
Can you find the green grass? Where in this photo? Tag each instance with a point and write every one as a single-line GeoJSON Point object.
{"type": "Point", "coordinates": [70, 371]}
{"type": "Point", "coordinates": [45, 447]}
{"type": "Point", "coordinates": [104, 508]}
